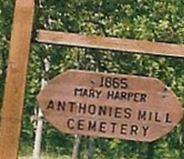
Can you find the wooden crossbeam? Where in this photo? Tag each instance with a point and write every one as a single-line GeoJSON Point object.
{"type": "Point", "coordinates": [125, 45]}
{"type": "Point", "coordinates": [11, 114]}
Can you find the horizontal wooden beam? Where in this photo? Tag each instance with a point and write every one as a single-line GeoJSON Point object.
{"type": "Point", "coordinates": [125, 45]}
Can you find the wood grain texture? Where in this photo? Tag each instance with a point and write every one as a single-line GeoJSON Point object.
{"type": "Point", "coordinates": [11, 114]}
{"type": "Point", "coordinates": [125, 45]}
{"type": "Point", "coordinates": [110, 105]}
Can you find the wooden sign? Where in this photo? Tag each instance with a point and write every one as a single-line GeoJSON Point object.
{"type": "Point", "coordinates": [108, 105]}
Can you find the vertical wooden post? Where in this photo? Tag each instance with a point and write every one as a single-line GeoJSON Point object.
{"type": "Point", "coordinates": [11, 114]}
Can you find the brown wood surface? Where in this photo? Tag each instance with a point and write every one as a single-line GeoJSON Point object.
{"type": "Point", "coordinates": [11, 114]}
{"type": "Point", "coordinates": [134, 96]}
{"type": "Point", "coordinates": [134, 46]}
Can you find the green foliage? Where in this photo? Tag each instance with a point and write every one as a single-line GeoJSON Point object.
{"type": "Point", "coordinates": [5, 20]}
{"type": "Point", "coordinates": [159, 20]}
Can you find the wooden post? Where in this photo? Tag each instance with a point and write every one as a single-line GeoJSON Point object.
{"type": "Point", "coordinates": [11, 116]}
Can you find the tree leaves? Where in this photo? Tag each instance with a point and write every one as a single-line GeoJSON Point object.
{"type": "Point", "coordinates": [158, 20]}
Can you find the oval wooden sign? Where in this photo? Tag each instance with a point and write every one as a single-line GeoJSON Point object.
{"type": "Point", "coordinates": [108, 105]}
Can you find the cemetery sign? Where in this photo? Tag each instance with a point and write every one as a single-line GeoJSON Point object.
{"type": "Point", "coordinates": [109, 105]}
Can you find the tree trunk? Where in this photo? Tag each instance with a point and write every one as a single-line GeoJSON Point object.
{"type": "Point", "coordinates": [150, 151]}
{"type": "Point", "coordinates": [91, 148]}
{"type": "Point", "coordinates": [39, 117]}
{"type": "Point", "coordinates": [181, 140]}
{"type": "Point", "coordinates": [38, 136]}
{"type": "Point", "coordinates": [75, 152]}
